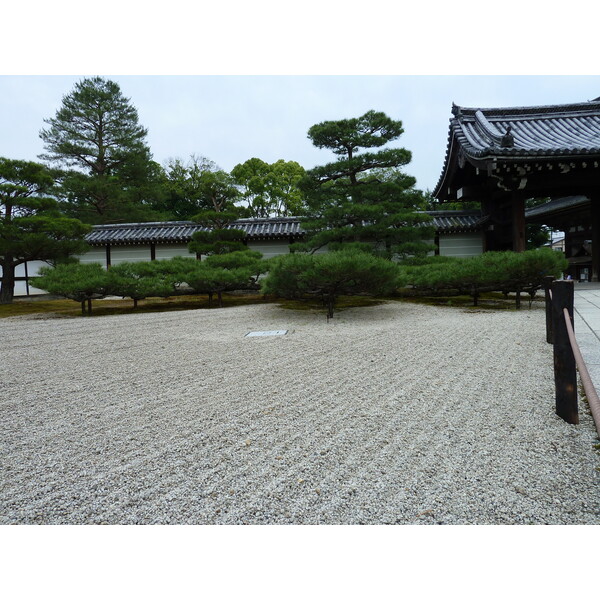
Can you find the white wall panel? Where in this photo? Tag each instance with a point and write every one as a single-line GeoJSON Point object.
{"type": "Point", "coordinates": [119, 254]}
{"type": "Point", "coordinates": [96, 254]}
{"type": "Point", "coordinates": [33, 268]}
{"type": "Point", "coordinates": [167, 251]}
{"type": "Point", "coordinates": [461, 245]}
{"type": "Point", "coordinates": [270, 248]}
{"type": "Point", "coordinates": [20, 288]}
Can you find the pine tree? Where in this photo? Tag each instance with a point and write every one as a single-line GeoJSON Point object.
{"type": "Point", "coordinates": [97, 137]}
{"type": "Point", "coordinates": [364, 197]}
{"type": "Point", "coordinates": [329, 275]}
{"type": "Point", "coordinates": [80, 282]}
{"type": "Point", "coordinates": [31, 226]}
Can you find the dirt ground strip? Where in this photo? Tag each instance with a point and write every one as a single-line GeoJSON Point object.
{"type": "Point", "coordinates": [397, 413]}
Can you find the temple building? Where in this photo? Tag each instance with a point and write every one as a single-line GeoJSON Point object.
{"type": "Point", "coordinates": [501, 157]}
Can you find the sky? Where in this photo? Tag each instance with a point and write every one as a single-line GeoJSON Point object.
{"type": "Point", "coordinates": [229, 118]}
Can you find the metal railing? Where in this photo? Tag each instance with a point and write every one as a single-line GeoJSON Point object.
{"type": "Point", "coordinates": [568, 359]}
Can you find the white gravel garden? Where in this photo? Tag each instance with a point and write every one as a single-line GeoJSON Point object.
{"type": "Point", "coordinates": [391, 414]}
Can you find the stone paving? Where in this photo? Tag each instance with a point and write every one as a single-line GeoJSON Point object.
{"type": "Point", "coordinates": [587, 326]}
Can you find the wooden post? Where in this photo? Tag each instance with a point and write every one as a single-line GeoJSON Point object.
{"type": "Point", "coordinates": [595, 209]}
{"type": "Point", "coordinates": [518, 223]}
{"type": "Point", "coordinates": [565, 373]}
{"type": "Point", "coordinates": [547, 285]}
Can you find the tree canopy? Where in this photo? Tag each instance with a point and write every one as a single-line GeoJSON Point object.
{"type": "Point", "coordinates": [97, 137]}
{"type": "Point", "coordinates": [270, 189]}
{"type": "Point", "coordinates": [192, 186]}
{"type": "Point", "coordinates": [31, 226]}
{"type": "Point", "coordinates": [80, 282]}
{"type": "Point", "coordinates": [364, 197]}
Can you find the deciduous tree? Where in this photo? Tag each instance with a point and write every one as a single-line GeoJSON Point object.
{"type": "Point", "coordinates": [271, 190]}
{"type": "Point", "coordinates": [190, 188]}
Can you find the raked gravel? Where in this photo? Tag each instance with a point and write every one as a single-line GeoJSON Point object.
{"type": "Point", "coordinates": [396, 413]}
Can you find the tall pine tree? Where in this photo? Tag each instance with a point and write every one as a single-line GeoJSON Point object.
{"type": "Point", "coordinates": [96, 134]}
{"type": "Point", "coordinates": [363, 198]}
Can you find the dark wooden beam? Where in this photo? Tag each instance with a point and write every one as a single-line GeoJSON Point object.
{"type": "Point", "coordinates": [518, 223]}
{"type": "Point", "coordinates": [595, 222]}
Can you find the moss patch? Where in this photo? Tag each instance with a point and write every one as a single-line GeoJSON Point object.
{"type": "Point", "coordinates": [486, 301]}
{"type": "Point", "coordinates": [341, 303]}
{"type": "Point", "coordinates": [117, 306]}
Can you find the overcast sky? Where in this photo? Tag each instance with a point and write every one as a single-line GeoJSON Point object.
{"type": "Point", "coordinates": [230, 119]}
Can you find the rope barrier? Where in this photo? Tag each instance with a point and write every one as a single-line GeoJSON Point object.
{"type": "Point", "coordinates": [586, 380]}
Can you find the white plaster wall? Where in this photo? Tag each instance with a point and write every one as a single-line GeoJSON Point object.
{"type": "Point", "coordinates": [461, 245]}
{"type": "Point", "coordinates": [270, 248]}
{"type": "Point", "coordinates": [167, 251]}
{"type": "Point", "coordinates": [95, 254]}
{"type": "Point", "coordinates": [33, 268]}
{"type": "Point", "coordinates": [120, 254]}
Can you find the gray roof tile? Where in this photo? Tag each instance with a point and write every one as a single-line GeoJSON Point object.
{"type": "Point", "coordinates": [276, 228]}
{"type": "Point", "coordinates": [539, 132]}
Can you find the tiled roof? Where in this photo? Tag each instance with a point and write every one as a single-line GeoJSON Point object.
{"type": "Point", "coordinates": [454, 221]}
{"type": "Point", "coordinates": [537, 132]}
{"type": "Point", "coordinates": [558, 205]}
{"type": "Point", "coordinates": [276, 228]}
{"type": "Point", "coordinates": [182, 231]}
{"type": "Point", "coordinates": [127, 233]}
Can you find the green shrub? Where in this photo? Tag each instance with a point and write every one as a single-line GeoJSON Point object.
{"type": "Point", "coordinates": [491, 271]}
{"type": "Point", "coordinates": [140, 280]}
{"type": "Point", "coordinates": [330, 275]}
{"type": "Point", "coordinates": [80, 282]}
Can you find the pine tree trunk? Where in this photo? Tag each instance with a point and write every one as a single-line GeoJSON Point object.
{"type": "Point", "coordinates": [89, 304]}
{"type": "Point", "coordinates": [7, 288]}
{"type": "Point", "coordinates": [330, 303]}
{"type": "Point", "coordinates": [220, 296]}
{"type": "Point", "coordinates": [83, 307]}
{"type": "Point", "coordinates": [135, 302]}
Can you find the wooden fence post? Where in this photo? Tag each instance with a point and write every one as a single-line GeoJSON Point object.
{"type": "Point", "coordinates": [547, 285]}
{"type": "Point", "coordinates": [565, 373]}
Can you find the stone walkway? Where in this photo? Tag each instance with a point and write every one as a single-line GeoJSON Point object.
{"type": "Point", "coordinates": [587, 326]}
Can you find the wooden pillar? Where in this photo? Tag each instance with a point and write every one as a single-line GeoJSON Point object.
{"type": "Point", "coordinates": [548, 280]}
{"type": "Point", "coordinates": [595, 209]}
{"type": "Point", "coordinates": [518, 223]}
{"type": "Point", "coordinates": [565, 373]}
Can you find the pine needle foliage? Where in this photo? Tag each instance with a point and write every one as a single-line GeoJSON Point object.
{"type": "Point", "coordinates": [80, 282]}
{"type": "Point", "coordinates": [364, 196]}
{"type": "Point", "coordinates": [31, 224]}
{"type": "Point", "coordinates": [330, 275]}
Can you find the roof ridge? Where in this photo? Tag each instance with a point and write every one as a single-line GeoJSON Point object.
{"type": "Point", "coordinates": [572, 106]}
{"type": "Point", "coordinates": [142, 225]}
